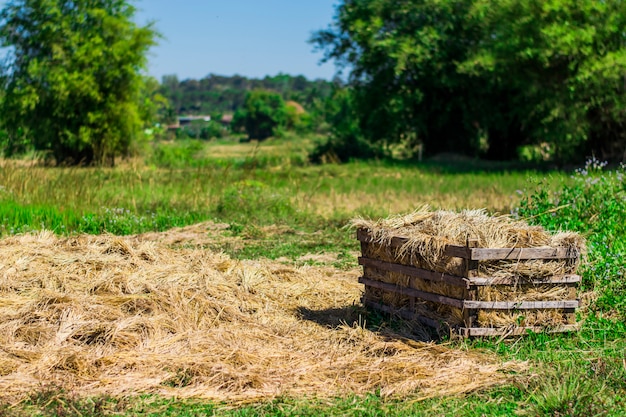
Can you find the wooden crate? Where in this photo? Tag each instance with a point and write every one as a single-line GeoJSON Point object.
{"type": "Point", "coordinates": [453, 301]}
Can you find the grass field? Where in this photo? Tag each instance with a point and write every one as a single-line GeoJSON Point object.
{"type": "Point", "coordinates": [271, 204]}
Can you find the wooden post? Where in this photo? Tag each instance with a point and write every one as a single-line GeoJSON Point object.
{"type": "Point", "coordinates": [570, 317]}
{"type": "Point", "coordinates": [470, 293]}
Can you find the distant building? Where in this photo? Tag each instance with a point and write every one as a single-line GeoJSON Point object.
{"type": "Point", "coordinates": [227, 119]}
{"type": "Point", "coordinates": [186, 120]}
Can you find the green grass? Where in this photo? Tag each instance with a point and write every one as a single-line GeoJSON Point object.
{"type": "Point", "coordinates": [252, 187]}
{"type": "Point", "coordinates": [554, 395]}
{"type": "Point", "coordinates": [53, 404]}
{"type": "Point", "coordinates": [314, 201]}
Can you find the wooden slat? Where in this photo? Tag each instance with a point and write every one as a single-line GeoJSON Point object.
{"type": "Point", "coordinates": [410, 292]}
{"type": "Point", "coordinates": [519, 305]}
{"type": "Point", "coordinates": [558, 279]}
{"type": "Point", "coordinates": [518, 254]}
{"type": "Point", "coordinates": [460, 281]}
{"type": "Point", "coordinates": [457, 251]}
{"type": "Point", "coordinates": [470, 293]}
{"type": "Point", "coordinates": [484, 254]}
{"type": "Point", "coordinates": [414, 272]}
{"type": "Point", "coordinates": [396, 242]}
{"type": "Point", "coordinates": [470, 304]}
{"type": "Point", "coordinates": [514, 331]}
{"type": "Point", "coordinates": [473, 331]}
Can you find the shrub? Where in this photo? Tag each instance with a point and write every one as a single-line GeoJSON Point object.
{"type": "Point", "coordinates": [594, 203]}
{"type": "Point", "coordinates": [342, 148]}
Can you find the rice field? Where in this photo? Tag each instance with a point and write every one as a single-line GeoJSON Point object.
{"type": "Point", "coordinates": [223, 280]}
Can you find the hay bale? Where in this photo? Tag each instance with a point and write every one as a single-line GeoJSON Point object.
{"type": "Point", "coordinates": [425, 238]}
{"type": "Point", "coordinates": [429, 232]}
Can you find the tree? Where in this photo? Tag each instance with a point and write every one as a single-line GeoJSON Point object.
{"type": "Point", "coordinates": [566, 62]}
{"type": "Point", "coordinates": [154, 107]}
{"type": "Point", "coordinates": [263, 114]}
{"type": "Point", "coordinates": [403, 80]}
{"type": "Point", "coordinates": [346, 140]}
{"type": "Point", "coordinates": [485, 77]}
{"type": "Point", "coordinates": [72, 78]}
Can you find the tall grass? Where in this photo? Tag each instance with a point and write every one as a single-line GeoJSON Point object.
{"type": "Point", "coordinates": [249, 186]}
{"type": "Point", "coordinates": [582, 373]}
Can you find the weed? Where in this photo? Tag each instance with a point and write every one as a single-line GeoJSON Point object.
{"type": "Point", "coordinates": [595, 205]}
{"type": "Point", "coordinates": [564, 392]}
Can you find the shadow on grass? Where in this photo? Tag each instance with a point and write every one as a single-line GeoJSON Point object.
{"type": "Point", "coordinates": [454, 164]}
{"type": "Point", "coordinates": [386, 325]}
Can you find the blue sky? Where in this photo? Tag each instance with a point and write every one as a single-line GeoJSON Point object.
{"type": "Point", "coordinates": [253, 38]}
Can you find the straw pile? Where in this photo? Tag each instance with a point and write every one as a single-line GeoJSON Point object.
{"type": "Point", "coordinates": [428, 232]}
{"type": "Point", "coordinates": [110, 315]}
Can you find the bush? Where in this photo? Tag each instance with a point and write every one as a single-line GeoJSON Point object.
{"type": "Point", "coordinates": [264, 114]}
{"type": "Point", "coordinates": [594, 204]}
{"type": "Point", "coordinates": [202, 130]}
{"type": "Point", "coordinates": [342, 148]}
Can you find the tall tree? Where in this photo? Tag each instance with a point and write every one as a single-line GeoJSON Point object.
{"type": "Point", "coordinates": [263, 114]}
{"type": "Point", "coordinates": [566, 62]}
{"type": "Point", "coordinates": [72, 78]}
{"type": "Point", "coordinates": [402, 57]}
{"type": "Point", "coordinates": [486, 76]}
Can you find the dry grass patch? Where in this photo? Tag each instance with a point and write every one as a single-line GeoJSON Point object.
{"type": "Point", "coordinates": [112, 315]}
{"type": "Point", "coordinates": [399, 200]}
{"type": "Point", "coordinates": [196, 235]}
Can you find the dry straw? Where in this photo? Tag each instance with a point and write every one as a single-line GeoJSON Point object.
{"type": "Point", "coordinates": [427, 234]}
{"type": "Point", "coordinates": [118, 316]}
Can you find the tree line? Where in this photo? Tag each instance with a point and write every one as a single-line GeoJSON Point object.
{"type": "Point", "coordinates": [538, 79]}
{"type": "Point", "coordinates": [227, 94]}
{"type": "Point", "coordinates": [259, 108]}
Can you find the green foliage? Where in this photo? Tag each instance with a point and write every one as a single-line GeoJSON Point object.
{"type": "Point", "coordinates": [565, 392]}
{"type": "Point", "coordinates": [72, 80]}
{"type": "Point", "coordinates": [15, 144]}
{"type": "Point", "coordinates": [484, 78]}
{"type": "Point", "coordinates": [264, 113]}
{"type": "Point", "coordinates": [178, 154]}
{"type": "Point", "coordinates": [346, 140]}
{"type": "Point", "coordinates": [200, 129]}
{"type": "Point", "coordinates": [342, 148]}
{"type": "Point", "coordinates": [590, 363]}
{"type": "Point", "coordinates": [154, 106]}
{"type": "Point", "coordinates": [595, 205]}
{"type": "Point", "coordinates": [297, 119]}
{"type": "Point", "coordinates": [404, 82]}
{"type": "Point", "coordinates": [564, 61]}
